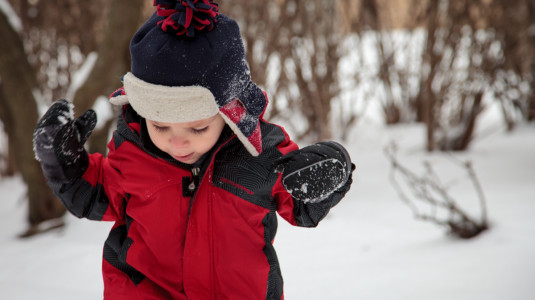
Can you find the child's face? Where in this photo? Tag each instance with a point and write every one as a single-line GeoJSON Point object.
{"type": "Point", "coordinates": [186, 142]}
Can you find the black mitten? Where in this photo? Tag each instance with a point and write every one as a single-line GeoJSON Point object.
{"type": "Point", "coordinates": [315, 172]}
{"type": "Point", "coordinates": [58, 142]}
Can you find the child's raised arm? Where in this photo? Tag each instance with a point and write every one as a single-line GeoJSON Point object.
{"type": "Point", "coordinates": [59, 146]}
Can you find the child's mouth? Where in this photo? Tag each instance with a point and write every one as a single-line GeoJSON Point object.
{"type": "Point", "coordinates": [184, 158]}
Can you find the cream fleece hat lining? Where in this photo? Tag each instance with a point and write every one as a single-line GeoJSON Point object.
{"type": "Point", "coordinates": [168, 104]}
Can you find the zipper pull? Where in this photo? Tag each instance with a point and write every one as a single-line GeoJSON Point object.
{"type": "Point", "coordinates": [189, 184]}
{"type": "Point", "coordinates": [195, 173]}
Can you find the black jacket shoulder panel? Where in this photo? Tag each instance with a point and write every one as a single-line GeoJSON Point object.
{"type": "Point", "coordinates": [248, 177]}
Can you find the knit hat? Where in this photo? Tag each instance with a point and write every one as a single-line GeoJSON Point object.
{"type": "Point", "coordinates": [188, 64]}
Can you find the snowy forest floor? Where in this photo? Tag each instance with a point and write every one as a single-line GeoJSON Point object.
{"type": "Point", "coordinates": [369, 247]}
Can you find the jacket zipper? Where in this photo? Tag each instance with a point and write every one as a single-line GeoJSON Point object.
{"type": "Point", "coordinates": [195, 178]}
{"type": "Point", "coordinates": [193, 186]}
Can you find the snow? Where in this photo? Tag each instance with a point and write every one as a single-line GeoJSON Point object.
{"type": "Point", "coordinates": [297, 182]}
{"type": "Point", "coordinates": [368, 247]}
{"type": "Point", "coordinates": [66, 115]}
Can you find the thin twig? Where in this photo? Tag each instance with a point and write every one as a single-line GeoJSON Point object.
{"type": "Point", "coordinates": [429, 189]}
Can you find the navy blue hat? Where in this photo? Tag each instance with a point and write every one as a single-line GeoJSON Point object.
{"type": "Point", "coordinates": [188, 63]}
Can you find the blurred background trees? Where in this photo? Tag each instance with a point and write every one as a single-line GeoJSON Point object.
{"type": "Point", "coordinates": [323, 63]}
{"type": "Point", "coordinates": [45, 45]}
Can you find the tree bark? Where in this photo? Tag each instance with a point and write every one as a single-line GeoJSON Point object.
{"type": "Point", "coordinates": [112, 63]}
{"type": "Point", "coordinates": [20, 117]}
{"type": "Point", "coordinates": [427, 98]}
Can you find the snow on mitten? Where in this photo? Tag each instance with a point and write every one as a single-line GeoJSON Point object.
{"type": "Point", "coordinates": [315, 172]}
{"type": "Point", "coordinates": [58, 142]}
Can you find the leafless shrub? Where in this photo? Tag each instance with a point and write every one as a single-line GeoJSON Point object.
{"type": "Point", "coordinates": [513, 24]}
{"type": "Point", "coordinates": [397, 60]}
{"type": "Point", "coordinates": [432, 202]}
{"type": "Point", "coordinates": [38, 60]}
{"type": "Point", "coordinates": [294, 53]}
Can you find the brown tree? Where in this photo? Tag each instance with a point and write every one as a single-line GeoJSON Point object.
{"type": "Point", "coordinates": [19, 115]}
{"type": "Point", "coordinates": [42, 69]}
{"type": "Point", "coordinates": [57, 36]}
{"type": "Point", "coordinates": [112, 63]}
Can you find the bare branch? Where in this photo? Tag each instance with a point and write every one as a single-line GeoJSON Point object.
{"type": "Point", "coordinates": [429, 190]}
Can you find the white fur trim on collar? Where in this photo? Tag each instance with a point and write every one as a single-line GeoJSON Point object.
{"type": "Point", "coordinates": [169, 104]}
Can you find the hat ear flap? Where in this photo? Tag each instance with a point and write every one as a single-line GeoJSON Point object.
{"type": "Point", "coordinates": [245, 126]}
{"type": "Point", "coordinates": [119, 97]}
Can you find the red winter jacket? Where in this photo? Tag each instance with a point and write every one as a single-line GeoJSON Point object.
{"type": "Point", "coordinates": [210, 241]}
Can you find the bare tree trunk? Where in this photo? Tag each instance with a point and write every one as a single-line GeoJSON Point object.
{"type": "Point", "coordinates": [427, 97]}
{"type": "Point", "coordinates": [9, 168]}
{"type": "Point", "coordinates": [531, 106]}
{"type": "Point", "coordinates": [450, 93]}
{"type": "Point", "coordinates": [20, 117]}
{"type": "Point", "coordinates": [461, 142]}
{"type": "Point", "coordinates": [531, 50]}
{"type": "Point", "coordinates": [18, 82]}
{"type": "Point", "coordinates": [112, 63]}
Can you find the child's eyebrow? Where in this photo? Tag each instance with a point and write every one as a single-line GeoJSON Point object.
{"type": "Point", "coordinates": [198, 124]}
{"type": "Point", "coordinates": [202, 123]}
{"type": "Point", "coordinates": [158, 124]}
{"type": "Point", "coordinates": [194, 124]}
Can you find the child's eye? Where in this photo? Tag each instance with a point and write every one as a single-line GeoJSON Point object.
{"type": "Point", "coordinates": [159, 128]}
{"type": "Point", "coordinates": [199, 131]}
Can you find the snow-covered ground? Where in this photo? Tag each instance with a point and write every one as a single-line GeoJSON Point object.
{"type": "Point", "coordinates": [369, 247]}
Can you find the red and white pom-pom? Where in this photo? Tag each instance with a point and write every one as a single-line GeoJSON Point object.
{"type": "Point", "coordinates": [186, 17]}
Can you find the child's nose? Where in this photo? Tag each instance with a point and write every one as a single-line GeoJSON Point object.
{"type": "Point", "coordinates": [179, 141]}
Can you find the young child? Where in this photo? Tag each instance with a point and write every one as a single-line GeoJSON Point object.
{"type": "Point", "coordinates": [194, 174]}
